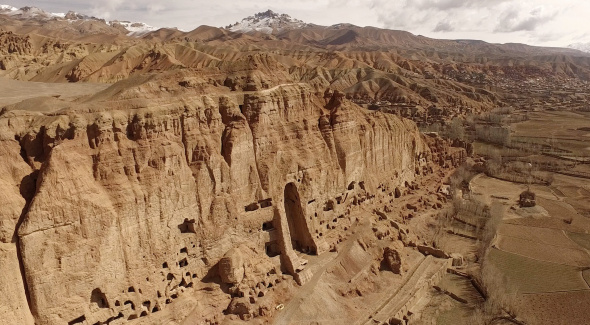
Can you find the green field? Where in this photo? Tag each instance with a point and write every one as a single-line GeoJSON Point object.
{"type": "Point", "coordinates": [531, 275]}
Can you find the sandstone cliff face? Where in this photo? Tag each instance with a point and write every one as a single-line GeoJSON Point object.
{"type": "Point", "coordinates": [124, 212]}
{"type": "Point", "coordinates": [16, 185]}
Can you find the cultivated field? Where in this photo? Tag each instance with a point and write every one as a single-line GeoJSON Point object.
{"type": "Point", "coordinates": [557, 308]}
{"type": "Point", "coordinates": [543, 252]}
{"type": "Point", "coordinates": [534, 276]}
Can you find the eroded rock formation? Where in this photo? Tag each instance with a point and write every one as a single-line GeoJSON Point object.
{"type": "Point", "coordinates": [392, 260]}
{"type": "Point", "coordinates": [115, 214]}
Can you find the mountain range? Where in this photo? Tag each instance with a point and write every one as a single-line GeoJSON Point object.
{"type": "Point", "coordinates": [31, 15]}
{"type": "Point", "coordinates": [268, 22]}
{"type": "Point", "coordinates": [267, 49]}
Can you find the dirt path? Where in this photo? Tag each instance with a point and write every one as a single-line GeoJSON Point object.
{"type": "Point", "coordinates": [269, 89]}
{"type": "Point", "coordinates": [389, 307]}
{"type": "Point", "coordinates": [291, 308]}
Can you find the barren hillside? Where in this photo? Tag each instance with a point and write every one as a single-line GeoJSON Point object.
{"type": "Point", "coordinates": [269, 174]}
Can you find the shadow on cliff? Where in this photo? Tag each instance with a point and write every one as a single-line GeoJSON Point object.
{"type": "Point", "coordinates": [28, 187]}
{"type": "Point", "coordinates": [213, 276]}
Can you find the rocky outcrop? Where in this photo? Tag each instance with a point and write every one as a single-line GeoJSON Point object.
{"type": "Point", "coordinates": [392, 260]}
{"type": "Point", "coordinates": [132, 208]}
{"type": "Point", "coordinates": [11, 43]}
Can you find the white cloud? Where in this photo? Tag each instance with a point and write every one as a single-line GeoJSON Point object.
{"type": "Point", "coordinates": [538, 22]}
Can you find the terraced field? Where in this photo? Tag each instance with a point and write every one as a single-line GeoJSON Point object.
{"type": "Point", "coordinates": [552, 223]}
{"type": "Point", "coordinates": [545, 236]}
{"type": "Point", "coordinates": [558, 209]}
{"type": "Point", "coordinates": [542, 252]}
{"type": "Point", "coordinates": [567, 308]}
{"type": "Point", "coordinates": [533, 276]}
{"type": "Point", "coordinates": [484, 188]}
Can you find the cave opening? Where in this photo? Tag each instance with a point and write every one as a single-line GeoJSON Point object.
{"type": "Point", "coordinates": [188, 226]}
{"type": "Point", "coordinates": [130, 303]}
{"type": "Point", "coordinates": [351, 186]}
{"type": "Point", "coordinates": [272, 249]}
{"type": "Point", "coordinates": [301, 239]}
{"type": "Point", "coordinates": [183, 262]}
{"type": "Point", "coordinates": [268, 226]}
{"type": "Point", "coordinates": [265, 203]}
{"type": "Point", "coordinates": [99, 298]}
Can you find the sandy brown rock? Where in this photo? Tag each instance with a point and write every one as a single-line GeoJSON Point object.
{"type": "Point", "coordinates": [392, 260]}
{"type": "Point", "coordinates": [221, 171]}
{"type": "Point", "coordinates": [17, 187]}
{"type": "Point", "coordinates": [132, 209]}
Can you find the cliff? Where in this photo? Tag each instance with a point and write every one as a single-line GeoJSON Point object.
{"type": "Point", "coordinates": [120, 209]}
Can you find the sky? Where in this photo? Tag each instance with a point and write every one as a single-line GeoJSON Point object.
{"type": "Point", "coordinates": [540, 22]}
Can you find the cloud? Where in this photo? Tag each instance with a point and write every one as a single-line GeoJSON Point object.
{"type": "Point", "coordinates": [106, 8]}
{"type": "Point", "coordinates": [443, 26]}
{"type": "Point", "coordinates": [513, 20]}
{"type": "Point", "coordinates": [516, 21]}
{"type": "Point", "coordinates": [444, 5]}
{"type": "Point", "coordinates": [546, 37]}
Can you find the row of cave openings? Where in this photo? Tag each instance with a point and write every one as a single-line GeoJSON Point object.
{"type": "Point", "coordinates": [301, 240]}
{"type": "Point", "coordinates": [301, 236]}
{"type": "Point", "coordinates": [98, 298]}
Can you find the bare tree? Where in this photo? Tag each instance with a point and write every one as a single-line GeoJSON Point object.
{"type": "Point", "coordinates": [456, 129]}
{"type": "Point", "coordinates": [491, 227]}
{"type": "Point", "coordinates": [493, 134]}
{"type": "Point", "coordinates": [501, 295]}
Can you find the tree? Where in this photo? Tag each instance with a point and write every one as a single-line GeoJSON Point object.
{"type": "Point", "coordinates": [456, 129]}
{"type": "Point", "coordinates": [490, 228]}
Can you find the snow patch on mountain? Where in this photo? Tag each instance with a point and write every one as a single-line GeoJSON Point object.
{"type": "Point", "coordinates": [135, 28]}
{"type": "Point", "coordinates": [7, 8]}
{"type": "Point", "coordinates": [29, 12]}
{"type": "Point", "coordinates": [266, 22]}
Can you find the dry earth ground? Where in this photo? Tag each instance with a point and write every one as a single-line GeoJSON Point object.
{"type": "Point", "coordinates": [14, 91]}
{"type": "Point", "coordinates": [543, 251]}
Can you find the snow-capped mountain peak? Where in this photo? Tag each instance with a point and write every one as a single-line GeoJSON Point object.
{"type": "Point", "coordinates": [266, 22]}
{"type": "Point", "coordinates": [136, 29]}
{"type": "Point", "coordinates": [584, 47]}
{"type": "Point", "coordinates": [29, 12]}
{"type": "Point", "coordinates": [7, 8]}
{"type": "Point", "coordinates": [25, 13]}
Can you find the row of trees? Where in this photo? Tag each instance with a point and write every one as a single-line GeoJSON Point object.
{"type": "Point", "coordinates": [499, 135]}
{"type": "Point", "coordinates": [501, 296]}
